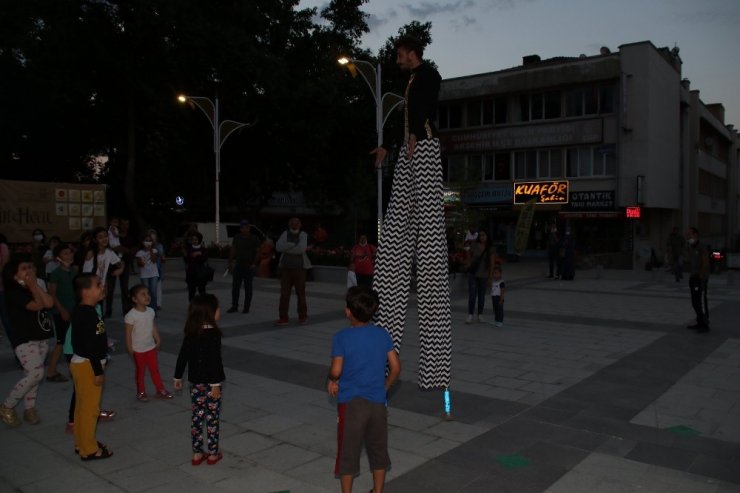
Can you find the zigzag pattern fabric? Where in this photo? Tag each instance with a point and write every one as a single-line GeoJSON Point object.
{"type": "Point", "coordinates": [414, 223]}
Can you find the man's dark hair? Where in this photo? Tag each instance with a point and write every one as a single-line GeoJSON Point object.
{"type": "Point", "coordinates": [362, 302]}
{"type": "Point", "coordinates": [694, 230]}
{"type": "Point", "coordinates": [410, 43]}
{"type": "Point", "coordinates": [83, 281]}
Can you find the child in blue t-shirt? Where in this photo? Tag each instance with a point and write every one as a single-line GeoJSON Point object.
{"type": "Point", "coordinates": [359, 355]}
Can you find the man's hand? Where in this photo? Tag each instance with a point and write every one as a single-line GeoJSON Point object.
{"type": "Point", "coordinates": [177, 383]}
{"type": "Point", "coordinates": [380, 154]}
{"type": "Point", "coordinates": [99, 380]}
{"type": "Point", "coordinates": [410, 147]}
{"type": "Point", "coordinates": [215, 391]}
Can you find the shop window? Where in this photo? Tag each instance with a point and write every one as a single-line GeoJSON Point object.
{"type": "Point", "coordinates": [502, 169]}
{"type": "Point", "coordinates": [488, 111]}
{"type": "Point", "coordinates": [552, 104]}
{"type": "Point", "coordinates": [501, 108]}
{"type": "Point", "coordinates": [473, 110]}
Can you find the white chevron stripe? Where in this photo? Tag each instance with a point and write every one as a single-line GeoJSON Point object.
{"type": "Point", "coordinates": [414, 224]}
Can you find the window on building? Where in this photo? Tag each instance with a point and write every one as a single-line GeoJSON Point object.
{"type": "Point", "coordinates": [474, 170]}
{"type": "Point", "coordinates": [607, 98]}
{"type": "Point", "coordinates": [455, 115]}
{"type": "Point", "coordinates": [556, 163]}
{"type": "Point", "coordinates": [488, 167]}
{"type": "Point", "coordinates": [473, 113]}
{"type": "Point", "coordinates": [552, 104]}
{"type": "Point", "coordinates": [590, 100]}
{"type": "Point", "coordinates": [543, 163]}
{"type": "Point", "coordinates": [525, 165]}
{"type": "Point", "coordinates": [574, 102]}
{"type": "Point", "coordinates": [610, 164]}
{"type": "Point", "coordinates": [571, 160]}
{"type": "Point", "coordinates": [524, 108]}
{"type": "Point", "coordinates": [585, 161]}
{"type": "Point", "coordinates": [456, 168]}
{"type": "Point", "coordinates": [502, 169]}
{"type": "Point", "coordinates": [537, 110]}
{"type": "Point", "coordinates": [488, 112]}
{"type": "Point", "coordinates": [501, 110]}
{"type": "Point", "coordinates": [443, 117]}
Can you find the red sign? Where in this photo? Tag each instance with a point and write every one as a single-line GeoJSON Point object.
{"type": "Point", "coordinates": [634, 212]}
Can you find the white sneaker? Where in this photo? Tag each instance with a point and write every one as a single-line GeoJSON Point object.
{"type": "Point", "coordinates": [499, 324]}
{"type": "Point", "coordinates": [469, 320]}
{"type": "Point", "coordinates": [479, 319]}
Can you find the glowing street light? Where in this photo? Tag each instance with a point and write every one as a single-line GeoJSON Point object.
{"type": "Point", "coordinates": [384, 105]}
{"type": "Point", "coordinates": [221, 131]}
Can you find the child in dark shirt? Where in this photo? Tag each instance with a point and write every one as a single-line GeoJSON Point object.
{"type": "Point", "coordinates": [357, 378]}
{"type": "Point", "coordinates": [201, 352]}
{"type": "Point", "coordinates": [90, 346]}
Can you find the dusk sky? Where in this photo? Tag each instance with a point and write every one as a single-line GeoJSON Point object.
{"type": "Point", "coordinates": [476, 36]}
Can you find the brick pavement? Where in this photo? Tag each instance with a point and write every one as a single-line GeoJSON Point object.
{"type": "Point", "coordinates": [591, 385]}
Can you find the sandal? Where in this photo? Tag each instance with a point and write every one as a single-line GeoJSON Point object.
{"type": "Point", "coordinates": [57, 377]}
{"type": "Point", "coordinates": [100, 445]}
{"type": "Point", "coordinates": [217, 457]}
{"type": "Point", "coordinates": [104, 453]}
{"type": "Point", "coordinates": [198, 461]}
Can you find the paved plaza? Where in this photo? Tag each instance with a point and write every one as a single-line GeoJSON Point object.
{"type": "Point", "coordinates": [591, 385]}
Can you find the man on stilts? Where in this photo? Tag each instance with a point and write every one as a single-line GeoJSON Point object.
{"type": "Point", "coordinates": [414, 225]}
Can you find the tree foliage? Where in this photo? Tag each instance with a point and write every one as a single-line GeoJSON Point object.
{"type": "Point", "coordinates": [82, 77]}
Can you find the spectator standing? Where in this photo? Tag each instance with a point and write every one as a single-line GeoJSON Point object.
{"type": "Point", "coordinates": [698, 257]}
{"type": "Point", "coordinates": [146, 258]}
{"type": "Point", "coordinates": [195, 258]}
{"type": "Point", "coordinates": [61, 289]}
{"type": "Point", "coordinates": [38, 249]}
{"type": "Point", "coordinates": [292, 245]}
{"type": "Point", "coordinates": [357, 378]}
{"type": "Point", "coordinates": [243, 259]}
{"type": "Point", "coordinates": [4, 259]}
{"type": "Point", "coordinates": [363, 256]}
{"type": "Point", "coordinates": [104, 262]}
{"type": "Point", "coordinates": [161, 253]}
{"type": "Point", "coordinates": [201, 353]}
{"type": "Point", "coordinates": [49, 260]}
{"type": "Point", "coordinates": [27, 303]}
{"type": "Point", "coordinates": [479, 270]}
{"type": "Point", "coordinates": [498, 290]}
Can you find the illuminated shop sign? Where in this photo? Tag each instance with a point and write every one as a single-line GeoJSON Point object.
{"type": "Point", "coordinates": [634, 212]}
{"type": "Point", "coordinates": [546, 192]}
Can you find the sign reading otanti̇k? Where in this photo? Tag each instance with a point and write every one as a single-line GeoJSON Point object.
{"type": "Point", "coordinates": [545, 192]}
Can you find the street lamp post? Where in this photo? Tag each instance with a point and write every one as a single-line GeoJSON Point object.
{"type": "Point", "coordinates": [221, 131]}
{"type": "Point", "coordinates": [384, 105]}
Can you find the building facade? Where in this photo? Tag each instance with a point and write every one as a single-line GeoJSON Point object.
{"type": "Point", "coordinates": [617, 130]}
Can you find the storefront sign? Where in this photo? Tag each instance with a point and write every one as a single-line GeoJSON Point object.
{"type": "Point", "coordinates": [546, 192]}
{"type": "Point", "coordinates": [591, 201]}
{"type": "Point", "coordinates": [634, 212]}
{"type": "Point", "coordinates": [524, 136]}
{"type": "Point", "coordinates": [489, 194]}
